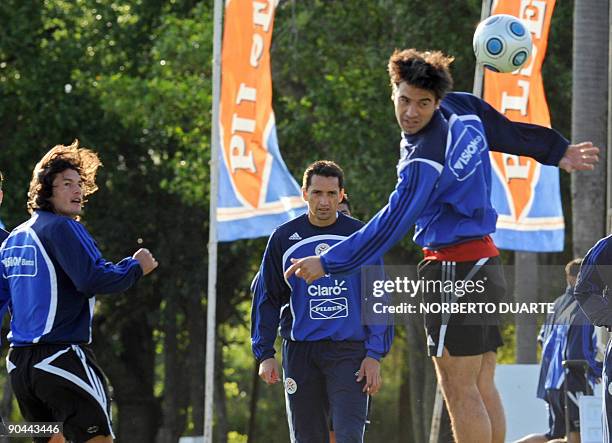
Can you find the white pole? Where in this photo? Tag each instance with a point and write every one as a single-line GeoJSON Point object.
{"type": "Point", "coordinates": [479, 72]}
{"type": "Point", "coordinates": [436, 417]}
{"type": "Point", "coordinates": [212, 236]}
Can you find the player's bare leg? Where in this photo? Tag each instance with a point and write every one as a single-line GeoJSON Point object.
{"type": "Point", "coordinates": [490, 397]}
{"type": "Point", "coordinates": [458, 377]}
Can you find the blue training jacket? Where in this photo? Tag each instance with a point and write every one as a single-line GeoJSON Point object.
{"type": "Point", "coordinates": [594, 283]}
{"type": "Point", "coordinates": [567, 335]}
{"type": "Point", "coordinates": [328, 309]}
{"type": "Point", "coordinates": [50, 270]}
{"type": "Point", "coordinates": [3, 306]}
{"type": "Point", "coordinates": [444, 181]}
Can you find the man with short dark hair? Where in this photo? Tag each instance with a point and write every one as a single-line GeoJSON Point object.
{"type": "Point", "coordinates": [345, 206]}
{"type": "Point", "coordinates": [331, 360]}
{"type": "Point", "coordinates": [50, 271]}
{"type": "Point", "coordinates": [444, 191]}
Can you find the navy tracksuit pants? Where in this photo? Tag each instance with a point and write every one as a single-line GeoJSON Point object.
{"type": "Point", "coordinates": [320, 385]}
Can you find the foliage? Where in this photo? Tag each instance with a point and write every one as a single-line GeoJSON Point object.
{"type": "Point", "coordinates": [132, 79]}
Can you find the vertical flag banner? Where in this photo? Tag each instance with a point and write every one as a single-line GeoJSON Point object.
{"type": "Point", "coordinates": [525, 193]}
{"type": "Point", "coordinates": [256, 190]}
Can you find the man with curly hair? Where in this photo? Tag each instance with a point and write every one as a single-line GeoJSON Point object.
{"type": "Point", "coordinates": [51, 270]}
{"type": "Point", "coordinates": [444, 191]}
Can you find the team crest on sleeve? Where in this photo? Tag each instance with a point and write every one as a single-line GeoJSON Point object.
{"type": "Point", "coordinates": [321, 247]}
{"type": "Point", "coordinates": [465, 148]}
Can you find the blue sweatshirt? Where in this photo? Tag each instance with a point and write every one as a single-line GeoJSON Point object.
{"type": "Point", "coordinates": [328, 309]}
{"type": "Point", "coordinates": [444, 181]}
{"type": "Point", "coordinates": [567, 335]}
{"type": "Point", "coordinates": [50, 270]}
{"type": "Point", "coordinates": [594, 283]}
{"type": "Point", "coordinates": [3, 305]}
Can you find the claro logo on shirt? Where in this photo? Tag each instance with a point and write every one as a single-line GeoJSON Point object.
{"type": "Point", "coordinates": [323, 290]}
{"type": "Point", "coordinates": [20, 261]}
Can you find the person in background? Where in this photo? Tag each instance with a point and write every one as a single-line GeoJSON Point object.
{"type": "Point", "coordinates": [567, 334]}
{"type": "Point", "coordinates": [345, 206]}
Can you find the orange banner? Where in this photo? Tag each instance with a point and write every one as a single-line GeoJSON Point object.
{"type": "Point", "coordinates": [246, 116]}
{"type": "Point", "coordinates": [256, 190]}
{"type": "Point", "coordinates": [520, 96]}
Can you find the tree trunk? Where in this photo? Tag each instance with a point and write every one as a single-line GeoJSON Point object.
{"type": "Point", "coordinates": [6, 405]}
{"type": "Point", "coordinates": [221, 425]}
{"type": "Point", "coordinates": [419, 383]}
{"type": "Point", "coordinates": [589, 119]}
{"type": "Point", "coordinates": [526, 291]}
{"type": "Point", "coordinates": [253, 406]}
{"type": "Point", "coordinates": [131, 374]}
{"type": "Point", "coordinates": [195, 363]}
{"type": "Point", "coordinates": [174, 402]}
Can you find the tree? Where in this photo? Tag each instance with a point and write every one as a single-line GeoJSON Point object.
{"type": "Point", "coordinates": [589, 119]}
{"type": "Point", "coordinates": [132, 80]}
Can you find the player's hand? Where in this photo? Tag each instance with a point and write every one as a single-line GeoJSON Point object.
{"type": "Point", "coordinates": [268, 371]}
{"type": "Point", "coordinates": [370, 369]}
{"type": "Point", "coordinates": [308, 268]}
{"type": "Point", "coordinates": [580, 157]}
{"type": "Point", "coordinates": [146, 260]}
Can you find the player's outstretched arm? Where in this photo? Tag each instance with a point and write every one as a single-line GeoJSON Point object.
{"type": "Point", "coordinates": [79, 256]}
{"type": "Point", "coordinates": [146, 260]}
{"type": "Point", "coordinates": [307, 268]}
{"type": "Point", "coordinates": [580, 157]}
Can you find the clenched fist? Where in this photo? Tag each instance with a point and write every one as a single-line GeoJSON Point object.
{"type": "Point", "coordinates": [146, 260]}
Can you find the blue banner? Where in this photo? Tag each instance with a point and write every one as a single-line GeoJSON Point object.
{"type": "Point", "coordinates": [540, 226]}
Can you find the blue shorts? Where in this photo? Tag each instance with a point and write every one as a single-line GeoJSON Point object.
{"type": "Point", "coordinates": [320, 384]}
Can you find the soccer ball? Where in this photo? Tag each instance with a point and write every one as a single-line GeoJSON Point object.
{"type": "Point", "coordinates": [502, 43]}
